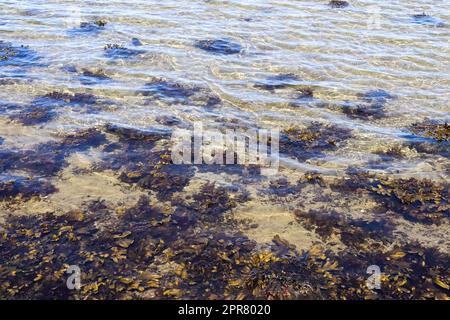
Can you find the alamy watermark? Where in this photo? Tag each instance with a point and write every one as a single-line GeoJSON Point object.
{"type": "Point", "coordinates": [374, 280]}
{"type": "Point", "coordinates": [232, 147]}
{"type": "Point", "coordinates": [74, 280]}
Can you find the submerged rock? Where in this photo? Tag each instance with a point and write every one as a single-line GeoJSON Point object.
{"type": "Point", "coordinates": [219, 46]}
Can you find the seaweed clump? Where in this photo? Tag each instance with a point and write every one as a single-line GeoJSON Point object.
{"type": "Point", "coordinates": [440, 132]}
{"type": "Point", "coordinates": [364, 111]}
{"type": "Point", "coordinates": [279, 81]}
{"type": "Point", "coordinates": [8, 81]}
{"type": "Point", "coordinates": [92, 27]}
{"type": "Point", "coordinates": [395, 151]}
{"type": "Point", "coordinates": [305, 93]}
{"type": "Point", "coordinates": [85, 102]}
{"type": "Point", "coordinates": [425, 19]}
{"type": "Point", "coordinates": [338, 4]}
{"type": "Point", "coordinates": [138, 163]}
{"type": "Point", "coordinates": [116, 51]}
{"type": "Point", "coordinates": [58, 98]}
{"type": "Point", "coordinates": [42, 109]}
{"type": "Point", "coordinates": [213, 201]}
{"type": "Point", "coordinates": [93, 76]}
{"type": "Point", "coordinates": [282, 188]}
{"type": "Point", "coordinates": [51, 244]}
{"type": "Point", "coordinates": [434, 138]}
{"type": "Point", "coordinates": [371, 107]}
{"type": "Point", "coordinates": [18, 56]}
{"type": "Point", "coordinates": [418, 200]}
{"type": "Point", "coordinates": [47, 159]}
{"type": "Point", "coordinates": [33, 115]}
{"type": "Point", "coordinates": [136, 42]}
{"type": "Point", "coordinates": [23, 188]}
{"type": "Point", "coordinates": [219, 46]}
{"type": "Point", "coordinates": [359, 234]}
{"type": "Point", "coordinates": [284, 81]}
{"type": "Point", "coordinates": [377, 96]}
{"type": "Point", "coordinates": [313, 140]}
{"type": "Point", "coordinates": [163, 89]}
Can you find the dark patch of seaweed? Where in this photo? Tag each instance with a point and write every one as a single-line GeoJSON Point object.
{"type": "Point", "coordinates": [425, 19]}
{"type": "Point", "coordinates": [121, 260]}
{"type": "Point", "coordinates": [33, 115]}
{"type": "Point", "coordinates": [280, 81]}
{"type": "Point", "coordinates": [219, 46]}
{"type": "Point", "coordinates": [17, 56]}
{"type": "Point", "coordinates": [93, 76]}
{"type": "Point", "coordinates": [116, 51]}
{"type": "Point", "coordinates": [89, 28]}
{"type": "Point", "coordinates": [138, 163]}
{"type": "Point", "coordinates": [417, 200]}
{"type": "Point", "coordinates": [23, 188]}
{"type": "Point", "coordinates": [338, 4]}
{"type": "Point", "coordinates": [47, 159]}
{"type": "Point", "coordinates": [312, 141]}
{"type": "Point", "coordinates": [173, 92]}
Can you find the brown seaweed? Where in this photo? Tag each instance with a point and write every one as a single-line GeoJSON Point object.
{"type": "Point", "coordinates": [338, 4]}
{"type": "Point", "coordinates": [116, 51]}
{"type": "Point", "coordinates": [48, 159]}
{"type": "Point", "coordinates": [313, 140]}
{"type": "Point", "coordinates": [219, 46]}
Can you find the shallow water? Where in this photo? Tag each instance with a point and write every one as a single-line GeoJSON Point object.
{"type": "Point", "coordinates": [334, 51]}
{"type": "Point", "coordinates": [373, 69]}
